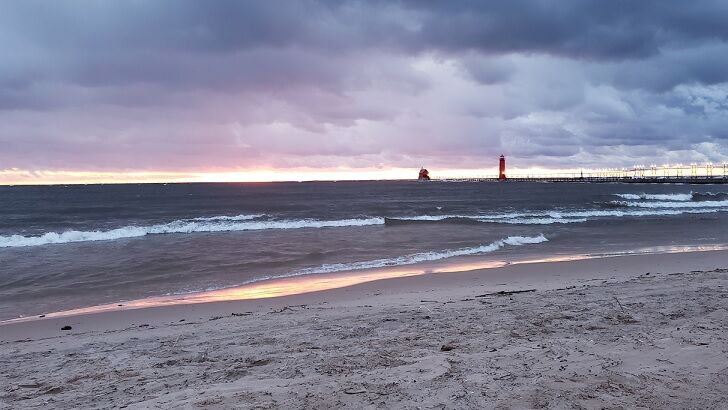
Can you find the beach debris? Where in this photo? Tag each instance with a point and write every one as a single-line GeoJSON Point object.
{"type": "Point", "coordinates": [53, 390]}
{"type": "Point", "coordinates": [447, 347]}
{"type": "Point", "coordinates": [283, 309]}
{"type": "Point", "coordinates": [355, 390]}
{"type": "Point", "coordinates": [66, 327]}
{"type": "Point", "coordinates": [620, 304]}
{"type": "Point", "coordinates": [41, 315]}
{"type": "Point", "coordinates": [256, 362]}
{"type": "Point", "coordinates": [241, 314]}
{"type": "Point", "coordinates": [505, 293]}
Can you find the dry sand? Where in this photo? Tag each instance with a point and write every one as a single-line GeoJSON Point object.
{"type": "Point", "coordinates": [594, 334]}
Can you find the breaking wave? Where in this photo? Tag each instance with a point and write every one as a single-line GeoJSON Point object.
{"type": "Point", "coordinates": [547, 217]}
{"type": "Point", "coordinates": [422, 256]}
{"type": "Point", "coordinates": [229, 218]}
{"type": "Point", "coordinates": [682, 205]}
{"type": "Point", "coordinates": [536, 221]}
{"type": "Point", "coordinates": [430, 219]}
{"type": "Point", "coordinates": [658, 197]}
{"type": "Point", "coordinates": [681, 197]}
{"type": "Point", "coordinates": [259, 222]}
{"type": "Point", "coordinates": [211, 224]}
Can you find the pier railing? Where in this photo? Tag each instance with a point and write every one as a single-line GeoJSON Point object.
{"type": "Point", "coordinates": [668, 174]}
{"type": "Point", "coordinates": [638, 180]}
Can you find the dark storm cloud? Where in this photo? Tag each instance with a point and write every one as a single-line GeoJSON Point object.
{"type": "Point", "coordinates": [108, 42]}
{"type": "Point", "coordinates": [580, 29]}
{"type": "Point", "coordinates": [148, 83]}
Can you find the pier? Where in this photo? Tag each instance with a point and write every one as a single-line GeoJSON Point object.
{"type": "Point", "coordinates": [653, 174]}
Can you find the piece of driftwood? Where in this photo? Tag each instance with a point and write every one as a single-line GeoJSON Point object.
{"type": "Point", "coordinates": [505, 293]}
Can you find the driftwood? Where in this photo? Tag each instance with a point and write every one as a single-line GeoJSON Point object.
{"type": "Point", "coordinates": [505, 293]}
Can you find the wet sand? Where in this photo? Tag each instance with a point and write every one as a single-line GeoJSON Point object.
{"type": "Point", "coordinates": [634, 331]}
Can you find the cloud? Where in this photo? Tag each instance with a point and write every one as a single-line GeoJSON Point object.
{"type": "Point", "coordinates": [187, 85]}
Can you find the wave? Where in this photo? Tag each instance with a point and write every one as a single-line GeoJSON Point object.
{"type": "Point", "coordinates": [546, 217]}
{"type": "Point", "coordinates": [254, 222]}
{"type": "Point", "coordinates": [683, 205]}
{"type": "Point", "coordinates": [536, 221]}
{"type": "Point", "coordinates": [422, 256]}
{"type": "Point", "coordinates": [585, 216]}
{"type": "Point", "coordinates": [229, 218]}
{"type": "Point", "coordinates": [657, 197]}
{"type": "Point", "coordinates": [512, 218]}
{"type": "Point", "coordinates": [430, 219]}
{"type": "Point", "coordinates": [213, 224]}
{"type": "Point", "coordinates": [677, 197]}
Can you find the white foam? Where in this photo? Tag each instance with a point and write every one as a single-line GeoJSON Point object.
{"type": "Point", "coordinates": [434, 217]}
{"type": "Point", "coordinates": [251, 222]}
{"type": "Point", "coordinates": [566, 217]}
{"type": "Point", "coordinates": [658, 197]}
{"type": "Point", "coordinates": [421, 257]}
{"type": "Point", "coordinates": [229, 218]}
{"type": "Point", "coordinates": [535, 221]}
{"type": "Point", "coordinates": [180, 226]}
{"type": "Point", "coordinates": [70, 236]}
{"type": "Point", "coordinates": [693, 205]}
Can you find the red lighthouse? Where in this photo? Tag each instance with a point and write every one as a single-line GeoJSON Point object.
{"type": "Point", "coordinates": [502, 169]}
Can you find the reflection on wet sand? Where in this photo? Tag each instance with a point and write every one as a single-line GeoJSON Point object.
{"type": "Point", "coordinates": [319, 282]}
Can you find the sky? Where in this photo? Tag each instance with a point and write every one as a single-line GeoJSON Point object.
{"type": "Point", "coordinates": [146, 90]}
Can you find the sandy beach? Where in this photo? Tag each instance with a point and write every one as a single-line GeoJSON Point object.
{"type": "Point", "coordinates": [646, 331]}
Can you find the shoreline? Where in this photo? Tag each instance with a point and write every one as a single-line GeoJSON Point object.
{"type": "Point", "coordinates": [288, 286]}
{"type": "Point", "coordinates": [491, 276]}
{"type": "Point", "coordinates": [632, 331]}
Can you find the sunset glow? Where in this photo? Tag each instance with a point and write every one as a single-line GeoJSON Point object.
{"type": "Point", "coordinates": [23, 177]}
